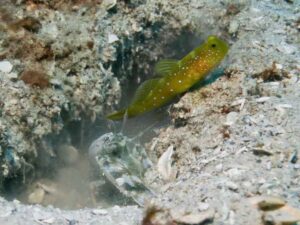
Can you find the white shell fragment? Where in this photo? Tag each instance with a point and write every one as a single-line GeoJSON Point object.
{"type": "Point", "coordinates": [240, 102]}
{"type": "Point", "coordinates": [286, 106]}
{"type": "Point", "coordinates": [262, 99]}
{"type": "Point", "coordinates": [5, 66]}
{"type": "Point", "coordinates": [47, 221]}
{"type": "Point", "coordinates": [164, 165]}
{"type": "Point", "coordinates": [101, 212]}
{"type": "Point", "coordinates": [112, 38]}
{"type": "Point", "coordinates": [108, 4]}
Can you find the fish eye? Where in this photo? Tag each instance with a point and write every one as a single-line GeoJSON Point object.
{"type": "Point", "coordinates": [213, 45]}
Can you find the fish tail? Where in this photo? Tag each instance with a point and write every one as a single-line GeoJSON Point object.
{"type": "Point", "coordinates": [116, 115]}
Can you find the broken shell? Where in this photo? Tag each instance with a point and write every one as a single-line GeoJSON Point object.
{"type": "Point", "coordinates": [193, 218]}
{"type": "Point", "coordinates": [164, 165]}
{"type": "Point", "coordinates": [37, 196]}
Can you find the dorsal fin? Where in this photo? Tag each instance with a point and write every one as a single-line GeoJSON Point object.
{"type": "Point", "coordinates": [144, 89]}
{"type": "Point", "coordinates": [166, 66]}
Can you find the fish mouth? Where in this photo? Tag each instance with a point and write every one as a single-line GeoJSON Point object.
{"type": "Point", "coordinates": [224, 46]}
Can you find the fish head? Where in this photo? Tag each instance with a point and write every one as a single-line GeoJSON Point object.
{"type": "Point", "coordinates": [214, 49]}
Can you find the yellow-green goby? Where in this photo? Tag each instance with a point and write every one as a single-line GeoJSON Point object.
{"type": "Point", "coordinates": [175, 77]}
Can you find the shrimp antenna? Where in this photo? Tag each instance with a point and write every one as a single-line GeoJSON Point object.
{"type": "Point", "coordinates": [140, 134]}
{"type": "Point", "coordinates": [112, 126]}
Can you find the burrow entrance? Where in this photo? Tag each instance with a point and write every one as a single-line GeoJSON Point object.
{"type": "Point", "coordinates": [64, 177]}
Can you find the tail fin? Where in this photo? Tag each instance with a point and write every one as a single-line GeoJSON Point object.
{"type": "Point", "coordinates": [117, 115]}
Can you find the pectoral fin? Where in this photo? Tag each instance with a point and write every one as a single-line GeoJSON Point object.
{"type": "Point", "coordinates": [117, 115]}
{"type": "Point", "coordinates": [140, 95]}
{"type": "Point", "coordinates": [144, 90]}
{"type": "Point", "coordinates": [166, 66]}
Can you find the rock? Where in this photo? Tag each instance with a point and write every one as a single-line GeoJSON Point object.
{"type": "Point", "coordinates": [37, 196]}
{"type": "Point", "coordinates": [280, 217]}
{"type": "Point", "coordinates": [5, 66]}
{"type": "Point", "coordinates": [68, 154]}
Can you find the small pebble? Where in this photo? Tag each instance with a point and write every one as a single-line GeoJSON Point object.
{"type": "Point", "coordinates": [234, 172]}
{"type": "Point", "coordinates": [5, 66]}
{"type": "Point", "coordinates": [297, 166]}
{"type": "Point", "coordinates": [12, 76]}
{"type": "Point", "coordinates": [233, 27]}
{"type": "Point", "coordinates": [219, 167]}
{"type": "Point", "coordinates": [112, 38]}
{"type": "Point", "coordinates": [232, 186]}
{"type": "Point", "coordinates": [294, 157]}
{"type": "Point", "coordinates": [202, 206]}
{"type": "Point", "coordinates": [231, 118]}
